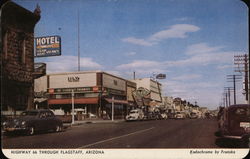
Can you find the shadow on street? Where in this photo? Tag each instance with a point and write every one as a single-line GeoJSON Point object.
{"type": "Point", "coordinates": [228, 143]}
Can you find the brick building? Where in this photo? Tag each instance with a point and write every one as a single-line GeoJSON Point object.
{"type": "Point", "coordinates": [17, 57]}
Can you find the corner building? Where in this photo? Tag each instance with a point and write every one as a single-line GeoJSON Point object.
{"type": "Point", "coordinates": [17, 57]}
{"type": "Point", "coordinates": [93, 93]}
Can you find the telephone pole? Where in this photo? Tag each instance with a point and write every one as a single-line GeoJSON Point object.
{"type": "Point", "coordinates": [78, 40]}
{"type": "Point", "coordinates": [234, 79]}
{"type": "Point", "coordinates": [228, 89]}
{"type": "Point", "coordinates": [242, 62]}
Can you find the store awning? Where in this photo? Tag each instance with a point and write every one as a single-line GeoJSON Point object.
{"type": "Point", "coordinates": [116, 101]}
{"type": "Point", "coordinates": [76, 101]}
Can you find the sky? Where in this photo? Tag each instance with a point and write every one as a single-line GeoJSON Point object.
{"type": "Point", "coordinates": [193, 42]}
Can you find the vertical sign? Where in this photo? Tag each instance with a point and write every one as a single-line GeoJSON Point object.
{"type": "Point", "coordinates": [47, 46]}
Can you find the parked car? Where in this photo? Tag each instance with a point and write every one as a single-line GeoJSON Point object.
{"type": "Point", "coordinates": [32, 121]}
{"type": "Point", "coordinates": [193, 115]}
{"type": "Point", "coordinates": [135, 114]}
{"type": "Point", "coordinates": [179, 115]}
{"type": "Point", "coordinates": [164, 116]}
{"type": "Point", "coordinates": [234, 122]}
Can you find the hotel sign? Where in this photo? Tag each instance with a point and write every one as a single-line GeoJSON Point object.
{"type": "Point", "coordinates": [47, 46]}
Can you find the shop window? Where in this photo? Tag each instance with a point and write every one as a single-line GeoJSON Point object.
{"type": "Point", "coordinates": [91, 95]}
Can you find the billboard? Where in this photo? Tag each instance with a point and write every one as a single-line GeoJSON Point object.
{"type": "Point", "coordinates": [47, 46]}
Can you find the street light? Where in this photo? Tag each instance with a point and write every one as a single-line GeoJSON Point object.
{"type": "Point", "coordinates": [73, 106]}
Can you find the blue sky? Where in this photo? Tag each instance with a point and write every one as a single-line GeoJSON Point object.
{"type": "Point", "coordinates": [192, 41]}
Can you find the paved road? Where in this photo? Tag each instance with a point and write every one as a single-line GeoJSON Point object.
{"type": "Point", "coordinates": [188, 133]}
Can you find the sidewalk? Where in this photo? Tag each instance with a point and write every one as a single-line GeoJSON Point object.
{"type": "Point", "coordinates": [92, 121]}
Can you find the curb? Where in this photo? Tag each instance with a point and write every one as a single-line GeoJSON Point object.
{"type": "Point", "coordinates": [90, 122]}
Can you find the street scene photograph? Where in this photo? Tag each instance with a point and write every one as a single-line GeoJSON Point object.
{"type": "Point", "coordinates": [85, 77]}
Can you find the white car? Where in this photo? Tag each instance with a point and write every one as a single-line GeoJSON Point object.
{"type": "Point", "coordinates": [135, 114]}
{"type": "Point", "coordinates": [164, 116]}
{"type": "Point", "coordinates": [179, 115]}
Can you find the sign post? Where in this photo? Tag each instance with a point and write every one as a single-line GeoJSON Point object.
{"type": "Point", "coordinates": [73, 107]}
{"type": "Point", "coordinates": [113, 108]}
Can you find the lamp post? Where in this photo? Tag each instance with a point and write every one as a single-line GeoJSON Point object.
{"type": "Point", "coordinates": [113, 108]}
{"type": "Point", "coordinates": [73, 106]}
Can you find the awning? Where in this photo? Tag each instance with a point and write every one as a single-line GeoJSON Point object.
{"type": "Point", "coordinates": [116, 101]}
{"type": "Point", "coordinates": [76, 101]}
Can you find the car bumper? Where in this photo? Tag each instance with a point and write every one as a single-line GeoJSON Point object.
{"type": "Point", "coordinates": [14, 129]}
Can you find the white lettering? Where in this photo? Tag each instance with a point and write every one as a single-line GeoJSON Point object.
{"type": "Point", "coordinates": [47, 40]}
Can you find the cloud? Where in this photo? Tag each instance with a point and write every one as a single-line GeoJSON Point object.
{"type": "Point", "coordinates": [130, 53]}
{"type": "Point", "coordinates": [201, 54]}
{"type": "Point", "coordinates": [198, 55]}
{"type": "Point", "coordinates": [187, 77]}
{"type": "Point", "coordinates": [174, 31]}
{"type": "Point", "coordinates": [184, 19]}
{"type": "Point", "coordinates": [139, 64]}
{"type": "Point", "coordinates": [137, 41]}
{"type": "Point", "coordinates": [70, 63]}
{"type": "Point", "coordinates": [201, 48]}
{"type": "Point", "coordinates": [193, 91]}
{"type": "Point", "coordinates": [222, 67]}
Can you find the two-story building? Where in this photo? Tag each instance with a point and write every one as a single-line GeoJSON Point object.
{"type": "Point", "coordinates": [93, 93]}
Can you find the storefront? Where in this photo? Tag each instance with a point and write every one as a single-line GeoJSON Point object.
{"type": "Point", "coordinates": [91, 93]}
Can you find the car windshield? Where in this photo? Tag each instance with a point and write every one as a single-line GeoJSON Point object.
{"type": "Point", "coordinates": [29, 113]}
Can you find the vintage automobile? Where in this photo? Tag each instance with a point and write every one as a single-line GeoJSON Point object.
{"type": "Point", "coordinates": [32, 121]}
{"type": "Point", "coordinates": [135, 114]}
{"type": "Point", "coordinates": [179, 115]}
{"type": "Point", "coordinates": [193, 115]}
{"type": "Point", "coordinates": [234, 123]}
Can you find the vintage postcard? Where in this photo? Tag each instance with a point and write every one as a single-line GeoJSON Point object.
{"type": "Point", "coordinates": [124, 79]}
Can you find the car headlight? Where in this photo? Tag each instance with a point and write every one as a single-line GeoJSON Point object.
{"type": "Point", "coordinates": [23, 123]}
{"type": "Point", "coordinates": [4, 123]}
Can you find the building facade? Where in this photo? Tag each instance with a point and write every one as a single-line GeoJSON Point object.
{"type": "Point", "coordinates": [17, 57]}
{"type": "Point", "coordinates": [153, 86]}
{"type": "Point", "coordinates": [94, 93]}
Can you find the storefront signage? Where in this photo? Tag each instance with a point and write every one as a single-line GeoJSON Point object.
{"type": "Point", "coordinates": [69, 90]}
{"type": "Point", "coordinates": [117, 92]}
{"type": "Point", "coordinates": [73, 79]}
{"type": "Point", "coordinates": [47, 46]}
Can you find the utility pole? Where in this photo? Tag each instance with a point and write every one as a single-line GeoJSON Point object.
{"type": "Point", "coordinates": [228, 89]}
{"type": "Point", "coordinates": [73, 106]}
{"type": "Point", "coordinates": [242, 62]}
{"type": "Point", "coordinates": [234, 79]}
{"type": "Point", "coordinates": [226, 99]}
{"type": "Point", "coordinates": [78, 39]}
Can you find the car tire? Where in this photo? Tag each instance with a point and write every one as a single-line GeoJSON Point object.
{"type": "Point", "coordinates": [58, 128]}
{"type": "Point", "coordinates": [246, 141]}
{"type": "Point", "coordinates": [31, 131]}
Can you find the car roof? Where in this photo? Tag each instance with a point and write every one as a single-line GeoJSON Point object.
{"type": "Point", "coordinates": [239, 106]}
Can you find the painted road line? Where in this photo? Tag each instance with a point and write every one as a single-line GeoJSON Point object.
{"type": "Point", "coordinates": [114, 138]}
